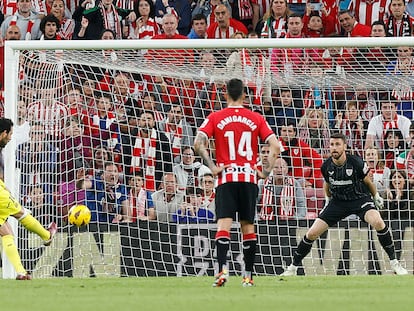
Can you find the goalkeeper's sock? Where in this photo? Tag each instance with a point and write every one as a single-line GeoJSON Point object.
{"type": "Point", "coordinates": [10, 249]}
{"type": "Point", "coordinates": [301, 251]}
{"type": "Point", "coordinates": [222, 247]}
{"type": "Point", "coordinates": [249, 251]}
{"type": "Point", "coordinates": [385, 238]}
{"type": "Point", "coordinates": [33, 225]}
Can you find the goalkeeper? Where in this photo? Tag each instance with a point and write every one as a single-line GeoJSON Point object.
{"type": "Point", "coordinates": [348, 190]}
{"type": "Point", "coordinates": [10, 207]}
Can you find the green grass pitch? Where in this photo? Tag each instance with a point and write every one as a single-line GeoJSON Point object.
{"type": "Point", "coordinates": [388, 292]}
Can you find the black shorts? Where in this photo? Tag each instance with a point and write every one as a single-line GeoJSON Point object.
{"type": "Point", "coordinates": [337, 210]}
{"type": "Point", "coordinates": [235, 197]}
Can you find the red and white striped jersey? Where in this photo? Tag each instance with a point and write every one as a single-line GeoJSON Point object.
{"type": "Point", "coordinates": [8, 7]}
{"type": "Point", "coordinates": [237, 132]}
{"type": "Point", "coordinates": [214, 31]}
{"type": "Point", "coordinates": [264, 6]}
{"type": "Point", "coordinates": [53, 116]}
{"type": "Point", "coordinates": [149, 30]}
{"type": "Point", "coordinates": [369, 11]}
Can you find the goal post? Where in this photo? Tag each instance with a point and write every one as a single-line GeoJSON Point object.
{"type": "Point", "coordinates": [106, 85]}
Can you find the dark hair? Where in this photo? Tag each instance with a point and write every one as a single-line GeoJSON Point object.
{"type": "Point", "coordinates": [235, 89]}
{"type": "Point", "coordinates": [350, 12]}
{"type": "Point", "coordinates": [339, 135]}
{"type": "Point", "coordinates": [198, 17]}
{"type": "Point", "coordinates": [107, 30]}
{"type": "Point", "coordinates": [49, 18]}
{"type": "Point", "coordinates": [293, 15]}
{"type": "Point", "coordinates": [5, 125]}
{"type": "Point", "coordinates": [379, 22]}
{"type": "Point", "coordinates": [151, 5]}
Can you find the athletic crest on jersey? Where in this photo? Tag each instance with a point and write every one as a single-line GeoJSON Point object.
{"type": "Point", "coordinates": [349, 171]}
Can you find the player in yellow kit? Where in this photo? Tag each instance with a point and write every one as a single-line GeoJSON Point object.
{"type": "Point", "coordinates": [10, 207]}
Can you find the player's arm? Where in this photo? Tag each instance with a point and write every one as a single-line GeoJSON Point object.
{"type": "Point", "coordinates": [200, 147]}
{"type": "Point", "coordinates": [274, 152]}
{"type": "Point", "coordinates": [378, 200]}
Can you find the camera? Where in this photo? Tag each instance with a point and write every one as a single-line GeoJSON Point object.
{"type": "Point", "coordinates": [316, 6]}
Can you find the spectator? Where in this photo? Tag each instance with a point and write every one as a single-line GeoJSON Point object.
{"type": "Point", "coordinates": [207, 7]}
{"type": "Point", "coordinates": [303, 160]}
{"type": "Point", "coordinates": [12, 33]}
{"type": "Point", "coordinates": [351, 125]}
{"type": "Point", "coordinates": [151, 153]}
{"type": "Point", "coordinates": [191, 210]}
{"type": "Point", "coordinates": [177, 130]}
{"type": "Point", "coordinates": [88, 92]}
{"type": "Point", "coordinates": [225, 26]}
{"type": "Point", "coordinates": [69, 195]}
{"type": "Point", "coordinates": [198, 27]}
{"type": "Point", "coordinates": [388, 119]}
{"type": "Point", "coordinates": [286, 107]}
{"type": "Point", "coordinates": [105, 15]}
{"type": "Point", "coordinates": [399, 22]}
{"type": "Point", "coordinates": [104, 126]}
{"type": "Point", "coordinates": [243, 12]}
{"type": "Point", "coordinates": [378, 172]}
{"type": "Point", "coordinates": [48, 110]}
{"type": "Point", "coordinates": [35, 201]}
{"type": "Point", "coordinates": [27, 21]}
{"type": "Point", "coordinates": [274, 22]}
{"type": "Point", "coordinates": [402, 69]}
{"type": "Point", "coordinates": [317, 23]}
{"type": "Point", "coordinates": [405, 161]}
{"type": "Point", "coordinates": [148, 103]}
{"type": "Point", "coordinates": [67, 25]}
{"type": "Point", "coordinates": [37, 161]}
{"type": "Point", "coordinates": [209, 194]}
{"type": "Point", "coordinates": [252, 66]}
{"type": "Point", "coordinates": [212, 98]}
{"type": "Point", "coordinates": [75, 150]}
{"type": "Point", "coordinates": [281, 195]}
{"type": "Point", "coordinates": [146, 26]}
{"type": "Point", "coordinates": [350, 26]}
{"type": "Point", "coordinates": [188, 171]}
{"type": "Point", "coordinates": [367, 103]}
{"type": "Point", "coordinates": [287, 63]}
{"type": "Point", "coordinates": [21, 129]}
{"type": "Point", "coordinates": [168, 200]}
{"type": "Point", "coordinates": [393, 145]}
{"type": "Point", "coordinates": [50, 26]}
{"type": "Point", "coordinates": [140, 200]}
{"type": "Point", "coordinates": [107, 198]}
{"type": "Point", "coordinates": [181, 9]}
{"type": "Point", "coordinates": [313, 129]}
{"type": "Point", "coordinates": [366, 12]}
{"type": "Point", "coordinates": [399, 208]}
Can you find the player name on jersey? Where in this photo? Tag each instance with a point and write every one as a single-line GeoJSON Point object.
{"type": "Point", "coordinates": [239, 119]}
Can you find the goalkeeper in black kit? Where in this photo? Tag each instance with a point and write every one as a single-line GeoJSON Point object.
{"type": "Point", "coordinates": [348, 190]}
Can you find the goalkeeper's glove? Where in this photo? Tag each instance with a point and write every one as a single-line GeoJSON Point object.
{"type": "Point", "coordinates": [378, 201]}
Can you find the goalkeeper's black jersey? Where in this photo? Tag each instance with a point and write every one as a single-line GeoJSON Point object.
{"type": "Point", "coordinates": [346, 181]}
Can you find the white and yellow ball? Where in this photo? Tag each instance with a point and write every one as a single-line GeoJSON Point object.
{"type": "Point", "coordinates": [79, 215]}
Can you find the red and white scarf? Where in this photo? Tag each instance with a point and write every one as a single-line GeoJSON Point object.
{"type": "Point", "coordinates": [138, 162]}
{"type": "Point", "coordinates": [175, 136]}
{"type": "Point", "coordinates": [388, 125]}
{"type": "Point", "coordinates": [117, 23]}
{"type": "Point", "coordinates": [287, 202]}
{"type": "Point", "coordinates": [137, 203]}
{"type": "Point", "coordinates": [254, 74]}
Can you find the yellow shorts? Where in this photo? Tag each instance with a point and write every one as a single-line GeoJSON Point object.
{"type": "Point", "coordinates": [8, 204]}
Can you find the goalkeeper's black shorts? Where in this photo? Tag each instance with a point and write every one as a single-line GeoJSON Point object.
{"type": "Point", "coordinates": [337, 210]}
{"type": "Point", "coordinates": [235, 197]}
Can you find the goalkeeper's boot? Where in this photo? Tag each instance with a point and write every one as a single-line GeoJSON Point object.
{"type": "Point", "coordinates": [290, 271]}
{"type": "Point", "coordinates": [23, 277]}
{"type": "Point", "coordinates": [247, 282]}
{"type": "Point", "coordinates": [52, 228]}
{"type": "Point", "coordinates": [397, 268]}
{"type": "Point", "coordinates": [221, 278]}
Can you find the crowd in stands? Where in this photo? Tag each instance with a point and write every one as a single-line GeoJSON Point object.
{"type": "Point", "coordinates": [122, 143]}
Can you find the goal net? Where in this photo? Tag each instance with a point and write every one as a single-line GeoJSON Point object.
{"type": "Point", "coordinates": [119, 119]}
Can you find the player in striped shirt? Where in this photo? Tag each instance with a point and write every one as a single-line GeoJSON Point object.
{"type": "Point", "coordinates": [236, 132]}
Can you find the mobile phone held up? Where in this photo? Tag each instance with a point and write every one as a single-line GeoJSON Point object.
{"type": "Point", "coordinates": [316, 6]}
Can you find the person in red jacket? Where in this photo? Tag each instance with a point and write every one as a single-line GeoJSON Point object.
{"type": "Point", "coordinates": [305, 162]}
{"type": "Point", "coordinates": [224, 26]}
{"type": "Point", "coordinates": [350, 26]}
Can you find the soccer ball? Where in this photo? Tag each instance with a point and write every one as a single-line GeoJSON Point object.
{"type": "Point", "coordinates": [79, 215]}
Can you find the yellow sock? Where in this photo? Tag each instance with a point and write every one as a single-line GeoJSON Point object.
{"type": "Point", "coordinates": [31, 224]}
{"type": "Point", "coordinates": [12, 254]}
